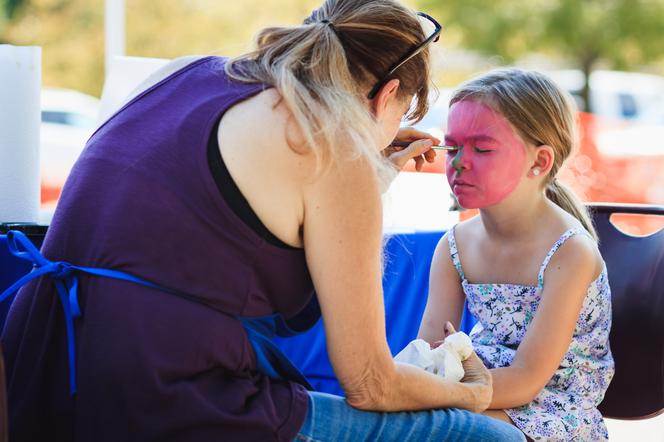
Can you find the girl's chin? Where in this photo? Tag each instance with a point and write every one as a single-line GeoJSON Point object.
{"type": "Point", "coordinates": [469, 204]}
{"type": "Point", "coordinates": [466, 204]}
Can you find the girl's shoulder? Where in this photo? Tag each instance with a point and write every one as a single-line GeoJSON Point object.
{"type": "Point", "coordinates": [575, 249]}
{"type": "Point", "coordinates": [468, 230]}
{"type": "Point", "coordinates": [572, 238]}
{"type": "Point", "coordinates": [466, 234]}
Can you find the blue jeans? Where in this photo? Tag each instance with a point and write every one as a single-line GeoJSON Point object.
{"type": "Point", "coordinates": [331, 419]}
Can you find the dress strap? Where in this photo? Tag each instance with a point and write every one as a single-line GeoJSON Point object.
{"type": "Point", "coordinates": [454, 252]}
{"type": "Point", "coordinates": [564, 237]}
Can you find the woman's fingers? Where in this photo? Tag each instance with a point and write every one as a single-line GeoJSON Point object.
{"type": "Point", "coordinates": [412, 134]}
{"type": "Point", "coordinates": [417, 150]}
{"type": "Point", "coordinates": [449, 329]}
{"type": "Point", "coordinates": [419, 163]}
{"type": "Point", "coordinates": [430, 155]}
{"type": "Point", "coordinates": [475, 370]}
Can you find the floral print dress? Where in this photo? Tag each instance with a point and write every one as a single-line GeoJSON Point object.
{"type": "Point", "coordinates": [566, 409]}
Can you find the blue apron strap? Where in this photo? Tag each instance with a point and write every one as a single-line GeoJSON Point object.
{"type": "Point", "coordinates": [270, 360]}
{"type": "Point", "coordinates": [66, 283]}
{"type": "Point", "coordinates": [303, 320]}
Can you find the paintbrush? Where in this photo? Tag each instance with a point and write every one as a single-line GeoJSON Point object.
{"type": "Point", "coordinates": [396, 143]}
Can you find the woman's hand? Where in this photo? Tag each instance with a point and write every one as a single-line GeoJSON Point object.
{"type": "Point", "coordinates": [476, 375]}
{"type": "Point", "coordinates": [419, 150]}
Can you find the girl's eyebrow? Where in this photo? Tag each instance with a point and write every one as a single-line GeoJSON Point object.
{"type": "Point", "coordinates": [475, 138]}
{"type": "Point", "coordinates": [482, 137]}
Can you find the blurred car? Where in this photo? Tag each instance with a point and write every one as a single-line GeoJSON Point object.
{"type": "Point", "coordinates": [68, 118]}
{"type": "Point", "coordinates": [618, 95]}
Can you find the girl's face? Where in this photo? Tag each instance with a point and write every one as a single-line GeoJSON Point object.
{"type": "Point", "coordinates": [490, 159]}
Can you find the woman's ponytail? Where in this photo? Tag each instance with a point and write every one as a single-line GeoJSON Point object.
{"type": "Point", "coordinates": [324, 68]}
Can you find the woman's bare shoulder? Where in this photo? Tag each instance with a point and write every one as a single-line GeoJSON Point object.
{"type": "Point", "coordinates": [266, 123]}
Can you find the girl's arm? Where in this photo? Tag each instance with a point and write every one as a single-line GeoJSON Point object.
{"type": "Point", "coordinates": [446, 298]}
{"type": "Point", "coordinates": [343, 240]}
{"type": "Point", "coordinates": [566, 280]}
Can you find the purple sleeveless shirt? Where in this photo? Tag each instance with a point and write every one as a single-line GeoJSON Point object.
{"type": "Point", "coordinates": [152, 366]}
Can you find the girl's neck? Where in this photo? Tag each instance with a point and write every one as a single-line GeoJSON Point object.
{"type": "Point", "coordinates": [515, 219]}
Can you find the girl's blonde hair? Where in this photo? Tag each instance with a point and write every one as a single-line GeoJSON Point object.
{"type": "Point", "coordinates": [542, 114]}
{"type": "Point", "coordinates": [324, 69]}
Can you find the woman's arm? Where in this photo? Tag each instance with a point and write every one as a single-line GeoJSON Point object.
{"type": "Point", "coordinates": [567, 278]}
{"type": "Point", "coordinates": [343, 241]}
{"type": "Point", "coordinates": [446, 298]}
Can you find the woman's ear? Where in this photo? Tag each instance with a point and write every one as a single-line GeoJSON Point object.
{"type": "Point", "coordinates": [542, 161]}
{"type": "Point", "coordinates": [385, 95]}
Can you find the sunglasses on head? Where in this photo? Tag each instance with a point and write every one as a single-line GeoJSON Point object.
{"type": "Point", "coordinates": [431, 28]}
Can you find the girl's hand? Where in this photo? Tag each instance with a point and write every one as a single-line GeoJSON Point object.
{"type": "Point", "coordinates": [419, 150]}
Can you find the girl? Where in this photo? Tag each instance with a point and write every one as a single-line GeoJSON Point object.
{"type": "Point", "coordinates": [528, 266]}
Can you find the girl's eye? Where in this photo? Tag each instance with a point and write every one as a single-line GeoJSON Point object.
{"type": "Point", "coordinates": [478, 150]}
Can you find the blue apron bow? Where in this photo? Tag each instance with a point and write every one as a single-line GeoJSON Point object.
{"type": "Point", "coordinates": [270, 359]}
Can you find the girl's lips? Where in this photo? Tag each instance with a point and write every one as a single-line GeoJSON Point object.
{"type": "Point", "coordinates": [460, 186]}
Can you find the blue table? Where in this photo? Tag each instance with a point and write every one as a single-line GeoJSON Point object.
{"type": "Point", "coordinates": [405, 285]}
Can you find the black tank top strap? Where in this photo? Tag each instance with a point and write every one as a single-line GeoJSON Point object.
{"type": "Point", "coordinates": [232, 195]}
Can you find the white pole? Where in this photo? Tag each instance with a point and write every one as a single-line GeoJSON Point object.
{"type": "Point", "coordinates": [114, 20]}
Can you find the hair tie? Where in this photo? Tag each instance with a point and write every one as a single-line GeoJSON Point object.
{"type": "Point", "coordinates": [330, 24]}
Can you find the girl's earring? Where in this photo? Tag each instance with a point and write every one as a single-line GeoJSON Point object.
{"type": "Point", "coordinates": [536, 172]}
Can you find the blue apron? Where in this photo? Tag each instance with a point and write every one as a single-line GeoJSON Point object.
{"type": "Point", "coordinates": [270, 360]}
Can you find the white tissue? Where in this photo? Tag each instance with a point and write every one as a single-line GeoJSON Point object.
{"type": "Point", "coordinates": [444, 361]}
{"type": "Point", "coordinates": [20, 118]}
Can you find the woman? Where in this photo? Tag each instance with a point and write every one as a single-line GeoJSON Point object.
{"type": "Point", "coordinates": [222, 196]}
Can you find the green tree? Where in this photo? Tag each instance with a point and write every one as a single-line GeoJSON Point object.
{"type": "Point", "coordinates": [621, 33]}
{"type": "Point", "coordinates": [8, 9]}
{"type": "Point", "coordinates": [71, 32]}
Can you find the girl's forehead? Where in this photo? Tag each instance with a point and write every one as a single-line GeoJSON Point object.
{"type": "Point", "coordinates": [473, 120]}
{"type": "Point", "coordinates": [475, 116]}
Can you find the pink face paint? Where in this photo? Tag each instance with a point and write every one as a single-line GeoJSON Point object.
{"type": "Point", "coordinates": [490, 161]}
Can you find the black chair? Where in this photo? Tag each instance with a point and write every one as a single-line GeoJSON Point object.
{"type": "Point", "coordinates": [11, 269]}
{"type": "Point", "coordinates": [636, 275]}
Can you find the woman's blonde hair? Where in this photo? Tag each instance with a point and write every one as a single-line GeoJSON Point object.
{"type": "Point", "coordinates": [324, 69]}
{"type": "Point", "coordinates": [542, 114]}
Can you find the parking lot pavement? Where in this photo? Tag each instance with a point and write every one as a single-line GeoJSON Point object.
{"type": "Point", "coordinates": [649, 430]}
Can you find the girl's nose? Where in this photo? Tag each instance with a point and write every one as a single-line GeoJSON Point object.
{"type": "Point", "coordinates": [459, 162]}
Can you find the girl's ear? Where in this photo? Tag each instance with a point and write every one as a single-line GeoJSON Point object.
{"type": "Point", "coordinates": [542, 161]}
